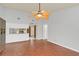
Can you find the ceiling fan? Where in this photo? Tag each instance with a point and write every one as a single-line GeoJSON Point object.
{"type": "Point", "coordinates": [40, 14]}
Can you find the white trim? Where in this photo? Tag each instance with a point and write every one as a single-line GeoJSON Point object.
{"type": "Point", "coordinates": [65, 46]}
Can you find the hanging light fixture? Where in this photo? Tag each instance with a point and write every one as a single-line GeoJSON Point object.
{"type": "Point", "coordinates": [40, 14]}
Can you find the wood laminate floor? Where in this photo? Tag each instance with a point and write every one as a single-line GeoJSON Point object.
{"type": "Point", "coordinates": [36, 48]}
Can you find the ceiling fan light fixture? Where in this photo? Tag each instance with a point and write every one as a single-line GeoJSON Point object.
{"type": "Point", "coordinates": [41, 14]}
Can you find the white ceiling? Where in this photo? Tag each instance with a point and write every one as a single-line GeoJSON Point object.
{"type": "Point", "coordinates": [29, 7]}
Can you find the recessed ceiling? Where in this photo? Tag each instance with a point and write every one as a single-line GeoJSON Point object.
{"type": "Point", "coordinates": [29, 7]}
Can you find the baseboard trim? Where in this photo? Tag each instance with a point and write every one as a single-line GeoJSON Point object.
{"type": "Point", "coordinates": [65, 46]}
{"type": "Point", "coordinates": [24, 40]}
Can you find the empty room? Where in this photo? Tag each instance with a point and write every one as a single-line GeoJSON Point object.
{"type": "Point", "coordinates": [39, 29]}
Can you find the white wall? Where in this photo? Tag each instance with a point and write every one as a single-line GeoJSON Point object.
{"type": "Point", "coordinates": [11, 15]}
{"type": "Point", "coordinates": [64, 28]}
